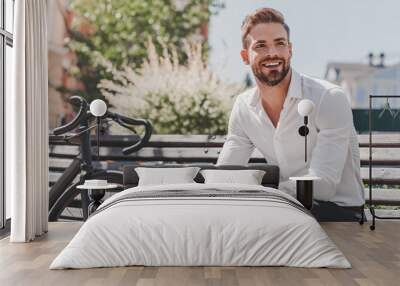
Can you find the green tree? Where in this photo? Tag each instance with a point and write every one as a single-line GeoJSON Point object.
{"type": "Point", "coordinates": [120, 29]}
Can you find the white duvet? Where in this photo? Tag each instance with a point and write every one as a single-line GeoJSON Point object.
{"type": "Point", "coordinates": [185, 231]}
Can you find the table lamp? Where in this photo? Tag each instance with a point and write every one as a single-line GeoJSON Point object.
{"type": "Point", "coordinates": [305, 108]}
{"type": "Point", "coordinates": [98, 108]}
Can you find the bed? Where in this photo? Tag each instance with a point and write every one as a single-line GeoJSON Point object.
{"type": "Point", "coordinates": [198, 224]}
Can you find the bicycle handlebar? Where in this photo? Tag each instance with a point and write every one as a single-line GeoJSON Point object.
{"type": "Point", "coordinates": [75, 122]}
{"type": "Point", "coordinates": [120, 119]}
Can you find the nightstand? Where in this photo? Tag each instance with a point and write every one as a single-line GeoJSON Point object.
{"type": "Point", "coordinates": [304, 190]}
{"type": "Point", "coordinates": [96, 193]}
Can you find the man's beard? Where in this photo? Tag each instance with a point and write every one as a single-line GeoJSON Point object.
{"type": "Point", "coordinates": [274, 77]}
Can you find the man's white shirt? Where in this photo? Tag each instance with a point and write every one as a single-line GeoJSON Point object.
{"type": "Point", "coordinates": [332, 144]}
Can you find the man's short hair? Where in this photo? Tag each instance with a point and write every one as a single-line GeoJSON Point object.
{"type": "Point", "coordinates": [261, 15]}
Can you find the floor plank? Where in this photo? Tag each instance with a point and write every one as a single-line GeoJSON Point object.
{"type": "Point", "coordinates": [375, 257]}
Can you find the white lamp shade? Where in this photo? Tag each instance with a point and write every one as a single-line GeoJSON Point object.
{"type": "Point", "coordinates": [98, 107]}
{"type": "Point", "coordinates": [305, 107]}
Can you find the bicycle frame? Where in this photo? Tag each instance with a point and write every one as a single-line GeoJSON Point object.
{"type": "Point", "coordinates": [81, 163]}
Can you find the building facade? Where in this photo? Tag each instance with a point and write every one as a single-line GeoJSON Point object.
{"type": "Point", "coordinates": [361, 80]}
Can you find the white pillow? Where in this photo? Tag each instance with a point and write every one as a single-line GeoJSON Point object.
{"type": "Point", "coordinates": [249, 177]}
{"type": "Point", "coordinates": [164, 176]}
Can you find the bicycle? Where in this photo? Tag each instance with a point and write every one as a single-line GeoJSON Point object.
{"type": "Point", "coordinates": [63, 193]}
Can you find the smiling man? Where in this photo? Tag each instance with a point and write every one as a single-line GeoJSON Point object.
{"type": "Point", "coordinates": [266, 118]}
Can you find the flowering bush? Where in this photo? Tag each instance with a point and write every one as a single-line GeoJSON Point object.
{"type": "Point", "coordinates": [178, 99]}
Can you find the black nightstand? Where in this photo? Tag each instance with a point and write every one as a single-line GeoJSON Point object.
{"type": "Point", "coordinates": [304, 190]}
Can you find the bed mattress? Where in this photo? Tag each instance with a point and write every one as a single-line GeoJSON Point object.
{"type": "Point", "coordinates": [201, 225]}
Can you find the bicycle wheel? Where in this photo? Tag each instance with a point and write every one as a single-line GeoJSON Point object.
{"type": "Point", "coordinates": [69, 206]}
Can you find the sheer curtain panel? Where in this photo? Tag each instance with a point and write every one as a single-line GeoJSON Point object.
{"type": "Point", "coordinates": [27, 123]}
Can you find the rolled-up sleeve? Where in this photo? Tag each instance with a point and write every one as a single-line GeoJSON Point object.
{"type": "Point", "coordinates": [237, 148]}
{"type": "Point", "coordinates": [334, 122]}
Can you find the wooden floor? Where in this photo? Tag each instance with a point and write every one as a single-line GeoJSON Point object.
{"type": "Point", "coordinates": [375, 257]}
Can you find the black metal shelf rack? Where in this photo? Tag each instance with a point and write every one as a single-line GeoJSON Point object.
{"type": "Point", "coordinates": [371, 204]}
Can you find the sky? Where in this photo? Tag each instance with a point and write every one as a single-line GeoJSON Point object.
{"type": "Point", "coordinates": [321, 31]}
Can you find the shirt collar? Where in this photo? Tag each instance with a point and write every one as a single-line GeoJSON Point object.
{"type": "Point", "coordinates": [294, 91]}
{"type": "Point", "coordinates": [295, 88]}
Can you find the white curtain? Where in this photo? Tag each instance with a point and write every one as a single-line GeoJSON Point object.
{"type": "Point", "coordinates": [27, 124]}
